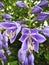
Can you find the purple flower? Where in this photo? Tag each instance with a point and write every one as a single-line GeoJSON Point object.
{"type": "Point", "coordinates": [7, 16]}
{"type": "Point", "coordinates": [36, 9]}
{"type": "Point", "coordinates": [1, 5]}
{"type": "Point", "coordinates": [31, 39]}
{"type": "Point", "coordinates": [21, 4]}
{"type": "Point", "coordinates": [45, 31]}
{"type": "Point", "coordinates": [12, 29]}
{"type": "Point", "coordinates": [42, 16]}
{"type": "Point", "coordinates": [43, 3]}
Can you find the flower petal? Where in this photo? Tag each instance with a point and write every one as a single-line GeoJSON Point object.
{"type": "Point", "coordinates": [36, 46]}
{"type": "Point", "coordinates": [33, 31]}
{"type": "Point", "coordinates": [7, 16]}
{"type": "Point", "coordinates": [21, 4]}
{"type": "Point", "coordinates": [31, 59]}
{"type": "Point", "coordinates": [25, 44]}
{"type": "Point", "coordinates": [7, 25]}
{"type": "Point", "coordinates": [42, 16]}
{"type": "Point", "coordinates": [25, 62]}
{"type": "Point", "coordinates": [1, 44]}
{"type": "Point", "coordinates": [22, 38]}
{"type": "Point", "coordinates": [21, 55]}
{"type": "Point", "coordinates": [13, 38]}
{"type": "Point", "coordinates": [36, 10]}
{"type": "Point", "coordinates": [18, 28]}
{"type": "Point", "coordinates": [25, 31]}
{"type": "Point", "coordinates": [40, 38]}
{"type": "Point", "coordinates": [45, 31]}
{"type": "Point", "coordinates": [43, 3]}
{"type": "Point", "coordinates": [1, 5]}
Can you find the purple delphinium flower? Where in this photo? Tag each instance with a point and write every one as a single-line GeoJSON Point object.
{"type": "Point", "coordinates": [12, 29]}
{"type": "Point", "coordinates": [45, 31]}
{"type": "Point", "coordinates": [21, 4]}
{"type": "Point", "coordinates": [43, 3]}
{"type": "Point", "coordinates": [36, 9]}
{"type": "Point", "coordinates": [25, 58]}
{"type": "Point", "coordinates": [31, 39]}
{"type": "Point", "coordinates": [42, 16]}
{"type": "Point", "coordinates": [1, 5]}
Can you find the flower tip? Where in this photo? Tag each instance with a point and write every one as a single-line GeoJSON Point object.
{"type": "Point", "coordinates": [21, 4]}
{"type": "Point", "coordinates": [1, 5]}
{"type": "Point", "coordinates": [7, 16]}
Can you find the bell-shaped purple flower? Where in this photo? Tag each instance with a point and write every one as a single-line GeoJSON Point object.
{"type": "Point", "coordinates": [36, 9]}
{"type": "Point", "coordinates": [21, 4]}
{"type": "Point", "coordinates": [42, 16]}
{"type": "Point", "coordinates": [1, 5]}
{"type": "Point", "coordinates": [45, 31]}
{"type": "Point", "coordinates": [12, 29]}
{"type": "Point", "coordinates": [31, 39]}
{"type": "Point", "coordinates": [43, 3]}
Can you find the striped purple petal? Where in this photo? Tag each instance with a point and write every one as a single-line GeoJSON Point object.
{"type": "Point", "coordinates": [25, 31]}
{"type": "Point", "coordinates": [40, 38]}
{"type": "Point", "coordinates": [7, 25]}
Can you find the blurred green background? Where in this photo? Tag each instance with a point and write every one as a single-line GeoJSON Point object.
{"type": "Point", "coordinates": [41, 58]}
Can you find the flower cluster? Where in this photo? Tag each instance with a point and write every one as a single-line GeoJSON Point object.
{"type": "Point", "coordinates": [30, 38]}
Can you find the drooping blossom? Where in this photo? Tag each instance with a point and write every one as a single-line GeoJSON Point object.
{"type": "Point", "coordinates": [1, 5]}
{"type": "Point", "coordinates": [43, 3]}
{"type": "Point", "coordinates": [25, 58]}
{"type": "Point", "coordinates": [45, 31]}
{"type": "Point", "coordinates": [12, 29]}
{"type": "Point", "coordinates": [42, 16]}
{"type": "Point", "coordinates": [36, 9]}
{"type": "Point", "coordinates": [30, 39]}
{"type": "Point", "coordinates": [21, 4]}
